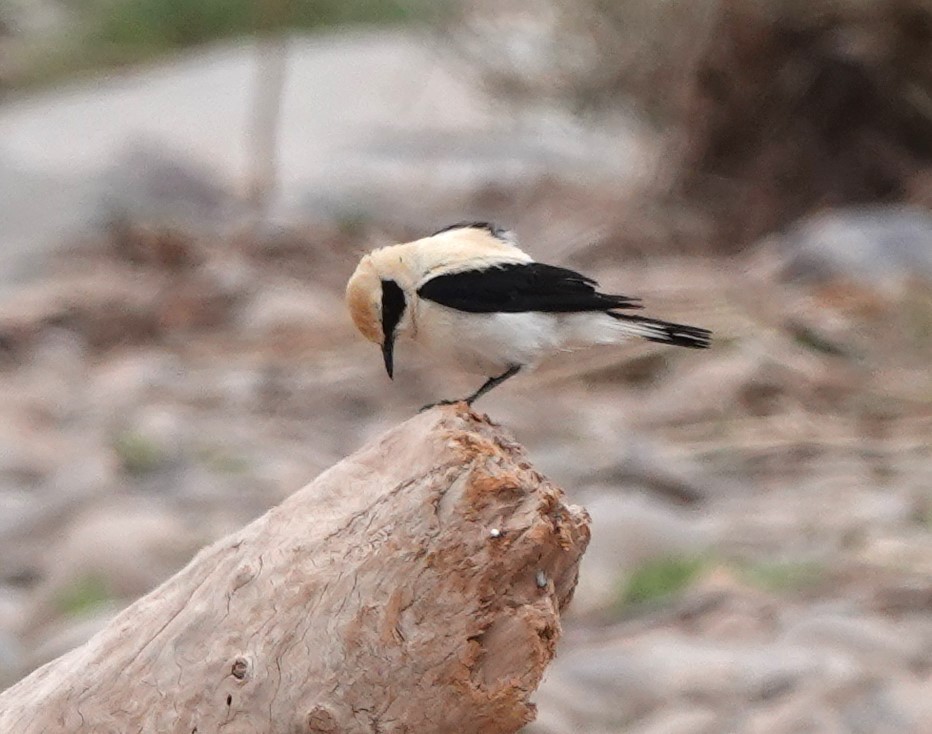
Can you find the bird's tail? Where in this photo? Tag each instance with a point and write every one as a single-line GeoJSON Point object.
{"type": "Point", "coordinates": [663, 331]}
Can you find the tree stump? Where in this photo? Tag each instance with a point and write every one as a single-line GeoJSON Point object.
{"type": "Point", "coordinates": [416, 586]}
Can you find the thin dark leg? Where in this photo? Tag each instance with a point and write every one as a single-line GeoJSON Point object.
{"type": "Point", "coordinates": [492, 382]}
{"type": "Point", "coordinates": [486, 386]}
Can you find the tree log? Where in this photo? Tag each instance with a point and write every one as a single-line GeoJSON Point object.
{"type": "Point", "coordinates": [416, 586]}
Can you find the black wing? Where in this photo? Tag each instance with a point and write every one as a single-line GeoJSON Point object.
{"type": "Point", "coordinates": [517, 287]}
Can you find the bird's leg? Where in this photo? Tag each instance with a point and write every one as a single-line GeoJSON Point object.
{"type": "Point", "coordinates": [493, 382]}
{"type": "Point", "coordinates": [486, 386]}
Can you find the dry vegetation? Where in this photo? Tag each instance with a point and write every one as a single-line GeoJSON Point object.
{"type": "Point", "coordinates": [762, 511]}
{"type": "Point", "coordinates": [769, 110]}
{"type": "Point", "coordinates": [199, 381]}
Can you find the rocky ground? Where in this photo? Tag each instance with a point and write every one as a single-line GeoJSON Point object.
{"type": "Point", "coordinates": [761, 556]}
{"type": "Point", "coordinates": [762, 542]}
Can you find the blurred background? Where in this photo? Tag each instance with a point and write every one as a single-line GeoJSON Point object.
{"type": "Point", "coordinates": [186, 185]}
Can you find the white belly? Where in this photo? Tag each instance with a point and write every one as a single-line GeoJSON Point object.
{"type": "Point", "coordinates": [489, 344]}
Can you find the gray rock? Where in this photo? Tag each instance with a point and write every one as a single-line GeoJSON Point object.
{"type": "Point", "coordinates": [692, 720]}
{"type": "Point", "coordinates": [155, 438]}
{"type": "Point", "coordinates": [294, 310]}
{"type": "Point", "coordinates": [12, 606]}
{"type": "Point", "coordinates": [716, 389]}
{"type": "Point", "coordinates": [61, 351]}
{"type": "Point", "coordinates": [123, 381]}
{"type": "Point", "coordinates": [66, 635]}
{"type": "Point", "coordinates": [699, 668]}
{"type": "Point", "coordinates": [901, 548]}
{"type": "Point", "coordinates": [16, 504]}
{"type": "Point", "coordinates": [11, 659]}
{"type": "Point", "coordinates": [869, 243]}
{"type": "Point", "coordinates": [149, 182]}
{"type": "Point", "coordinates": [39, 211]}
{"type": "Point", "coordinates": [628, 530]}
{"type": "Point", "coordinates": [29, 519]}
{"type": "Point", "coordinates": [871, 710]}
{"type": "Point", "coordinates": [910, 696]}
{"type": "Point", "coordinates": [805, 712]}
{"type": "Point", "coordinates": [594, 693]}
{"type": "Point", "coordinates": [874, 643]}
{"type": "Point", "coordinates": [117, 550]}
{"type": "Point", "coordinates": [660, 666]}
{"type": "Point", "coordinates": [91, 473]}
{"type": "Point", "coordinates": [641, 463]}
{"type": "Point", "coordinates": [27, 457]}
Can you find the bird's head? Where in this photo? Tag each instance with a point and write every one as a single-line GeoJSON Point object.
{"type": "Point", "coordinates": [377, 301]}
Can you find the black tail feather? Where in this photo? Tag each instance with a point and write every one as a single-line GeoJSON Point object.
{"type": "Point", "coordinates": [665, 332]}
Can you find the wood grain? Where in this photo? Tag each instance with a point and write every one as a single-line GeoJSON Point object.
{"type": "Point", "coordinates": [416, 586]}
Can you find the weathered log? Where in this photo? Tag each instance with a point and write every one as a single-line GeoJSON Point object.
{"type": "Point", "coordinates": [416, 586]}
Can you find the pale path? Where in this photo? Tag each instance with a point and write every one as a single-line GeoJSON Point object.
{"type": "Point", "coordinates": [365, 115]}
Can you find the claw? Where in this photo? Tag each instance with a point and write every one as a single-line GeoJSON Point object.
{"type": "Point", "coordinates": [486, 386]}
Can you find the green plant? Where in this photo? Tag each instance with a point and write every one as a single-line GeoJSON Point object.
{"type": "Point", "coordinates": [781, 575]}
{"type": "Point", "coordinates": [173, 24]}
{"type": "Point", "coordinates": [661, 578]}
{"type": "Point", "coordinates": [111, 33]}
{"type": "Point", "coordinates": [222, 461]}
{"type": "Point", "coordinates": [138, 454]}
{"type": "Point", "coordinates": [83, 595]}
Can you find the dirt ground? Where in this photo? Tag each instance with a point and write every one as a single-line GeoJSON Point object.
{"type": "Point", "coordinates": [761, 558]}
{"type": "Point", "coordinates": [762, 542]}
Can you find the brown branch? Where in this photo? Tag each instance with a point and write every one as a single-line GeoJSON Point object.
{"type": "Point", "coordinates": [414, 587]}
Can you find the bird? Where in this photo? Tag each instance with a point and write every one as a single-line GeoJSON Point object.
{"type": "Point", "coordinates": [468, 295]}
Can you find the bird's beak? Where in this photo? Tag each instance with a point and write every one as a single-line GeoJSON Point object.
{"type": "Point", "coordinates": [388, 349]}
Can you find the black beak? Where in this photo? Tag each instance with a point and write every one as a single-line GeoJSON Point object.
{"type": "Point", "coordinates": [393, 306]}
{"type": "Point", "coordinates": [388, 349]}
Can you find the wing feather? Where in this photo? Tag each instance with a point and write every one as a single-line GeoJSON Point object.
{"type": "Point", "coordinates": [521, 287]}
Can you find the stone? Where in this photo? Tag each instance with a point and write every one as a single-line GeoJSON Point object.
{"type": "Point", "coordinates": [11, 659]}
{"type": "Point", "coordinates": [910, 696]}
{"type": "Point", "coordinates": [601, 686]}
{"type": "Point", "coordinates": [874, 643]}
{"type": "Point", "coordinates": [629, 530]}
{"type": "Point", "coordinates": [870, 243]}
{"type": "Point", "coordinates": [124, 379]}
{"type": "Point", "coordinates": [119, 550]}
{"type": "Point", "coordinates": [801, 713]}
{"type": "Point", "coordinates": [155, 438]}
{"type": "Point", "coordinates": [870, 709]}
{"type": "Point", "coordinates": [290, 311]}
{"type": "Point", "coordinates": [692, 720]}
{"type": "Point", "coordinates": [65, 635]}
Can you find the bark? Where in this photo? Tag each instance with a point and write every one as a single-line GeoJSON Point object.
{"type": "Point", "coordinates": [416, 586]}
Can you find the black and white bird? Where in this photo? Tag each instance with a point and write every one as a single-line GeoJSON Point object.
{"type": "Point", "coordinates": [469, 296]}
